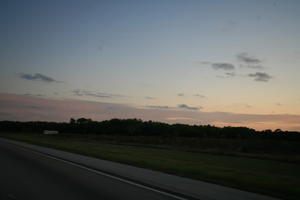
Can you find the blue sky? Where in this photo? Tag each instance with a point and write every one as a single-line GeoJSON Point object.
{"type": "Point", "coordinates": [218, 56]}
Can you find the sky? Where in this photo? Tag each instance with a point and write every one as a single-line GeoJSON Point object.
{"type": "Point", "coordinates": [225, 63]}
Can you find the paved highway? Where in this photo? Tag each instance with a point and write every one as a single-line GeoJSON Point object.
{"type": "Point", "coordinates": [25, 174]}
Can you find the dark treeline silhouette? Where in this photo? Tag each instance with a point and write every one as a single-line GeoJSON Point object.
{"type": "Point", "coordinates": [137, 127]}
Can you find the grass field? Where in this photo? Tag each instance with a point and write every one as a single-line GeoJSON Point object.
{"type": "Point", "coordinates": [275, 178]}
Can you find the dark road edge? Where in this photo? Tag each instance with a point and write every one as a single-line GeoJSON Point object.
{"type": "Point", "coordinates": [114, 176]}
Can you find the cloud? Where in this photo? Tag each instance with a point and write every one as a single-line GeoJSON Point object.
{"type": "Point", "coordinates": [34, 107]}
{"type": "Point", "coordinates": [246, 58]}
{"type": "Point", "coordinates": [253, 66]}
{"type": "Point", "coordinates": [179, 106]}
{"type": "Point", "coordinates": [180, 94]}
{"type": "Point", "coordinates": [37, 77]}
{"type": "Point", "coordinates": [37, 95]}
{"type": "Point", "coordinates": [249, 61]}
{"type": "Point", "coordinates": [227, 75]}
{"type": "Point", "coordinates": [261, 76]}
{"type": "Point", "coordinates": [205, 62]}
{"type": "Point", "coordinates": [184, 106]}
{"type": "Point", "coordinates": [159, 107]}
{"type": "Point", "coordinates": [199, 95]}
{"type": "Point", "coordinates": [223, 66]}
{"type": "Point", "coordinates": [150, 98]}
{"type": "Point", "coordinates": [29, 108]}
{"type": "Point", "coordinates": [79, 92]}
{"type": "Point", "coordinates": [230, 74]}
{"type": "Point", "coordinates": [202, 62]}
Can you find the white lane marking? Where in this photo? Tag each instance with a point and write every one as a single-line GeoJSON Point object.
{"type": "Point", "coordinates": [105, 174]}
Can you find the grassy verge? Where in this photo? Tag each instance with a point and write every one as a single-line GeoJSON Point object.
{"type": "Point", "coordinates": [269, 177]}
{"type": "Point", "coordinates": [279, 150]}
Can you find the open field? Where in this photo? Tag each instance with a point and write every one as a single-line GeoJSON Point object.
{"type": "Point", "coordinates": [276, 178]}
{"type": "Point", "coordinates": [278, 150]}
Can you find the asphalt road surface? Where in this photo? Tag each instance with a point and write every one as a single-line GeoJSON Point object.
{"type": "Point", "coordinates": [25, 174]}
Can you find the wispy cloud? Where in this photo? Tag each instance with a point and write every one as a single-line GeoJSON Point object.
{"type": "Point", "coordinates": [199, 95]}
{"type": "Point", "coordinates": [180, 94]}
{"type": "Point", "coordinates": [37, 95]}
{"type": "Point", "coordinates": [79, 92]}
{"type": "Point", "coordinates": [258, 67]}
{"type": "Point", "coordinates": [261, 76]}
{"type": "Point", "coordinates": [246, 58]}
{"type": "Point", "coordinates": [223, 66]}
{"type": "Point", "coordinates": [179, 107]}
{"type": "Point", "coordinates": [37, 77]}
{"type": "Point", "coordinates": [230, 74]}
{"type": "Point", "coordinates": [184, 106]}
{"type": "Point", "coordinates": [204, 62]}
{"type": "Point", "coordinates": [227, 75]}
{"type": "Point", "coordinates": [249, 61]}
{"type": "Point", "coordinates": [150, 98]}
{"type": "Point", "coordinates": [159, 107]}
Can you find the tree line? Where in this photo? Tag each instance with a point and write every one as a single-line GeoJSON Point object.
{"type": "Point", "coordinates": [137, 127]}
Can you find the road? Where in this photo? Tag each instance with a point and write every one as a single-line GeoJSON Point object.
{"type": "Point", "coordinates": [25, 174]}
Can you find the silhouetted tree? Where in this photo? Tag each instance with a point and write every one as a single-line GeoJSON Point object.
{"type": "Point", "coordinates": [72, 121]}
{"type": "Point", "coordinates": [138, 127]}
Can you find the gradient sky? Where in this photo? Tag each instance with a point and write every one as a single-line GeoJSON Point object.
{"type": "Point", "coordinates": [221, 62]}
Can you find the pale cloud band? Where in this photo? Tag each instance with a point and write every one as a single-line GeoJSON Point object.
{"type": "Point", "coordinates": [79, 92]}
{"type": "Point", "coordinates": [179, 106]}
{"type": "Point", "coordinates": [29, 108]}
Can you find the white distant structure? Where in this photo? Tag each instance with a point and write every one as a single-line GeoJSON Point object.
{"type": "Point", "coordinates": [48, 132]}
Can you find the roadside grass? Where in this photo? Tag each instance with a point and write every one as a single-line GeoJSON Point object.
{"type": "Point", "coordinates": [279, 150]}
{"type": "Point", "coordinates": [279, 179]}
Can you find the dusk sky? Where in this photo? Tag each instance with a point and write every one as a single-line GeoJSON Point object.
{"type": "Point", "coordinates": [225, 63]}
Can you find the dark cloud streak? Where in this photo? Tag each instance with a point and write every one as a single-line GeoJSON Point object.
{"type": "Point", "coordinates": [223, 66]}
{"type": "Point", "coordinates": [158, 107]}
{"type": "Point", "coordinates": [37, 77]}
{"type": "Point", "coordinates": [230, 74]}
{"type": "Point", "coordinates": [184, 106]}
{"type": "Point", "coordinates": [246, 58]}
{"type": "Point", "coordinates": [261, 76]}
{"type": "Point", "coordinates": [94, 94]}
